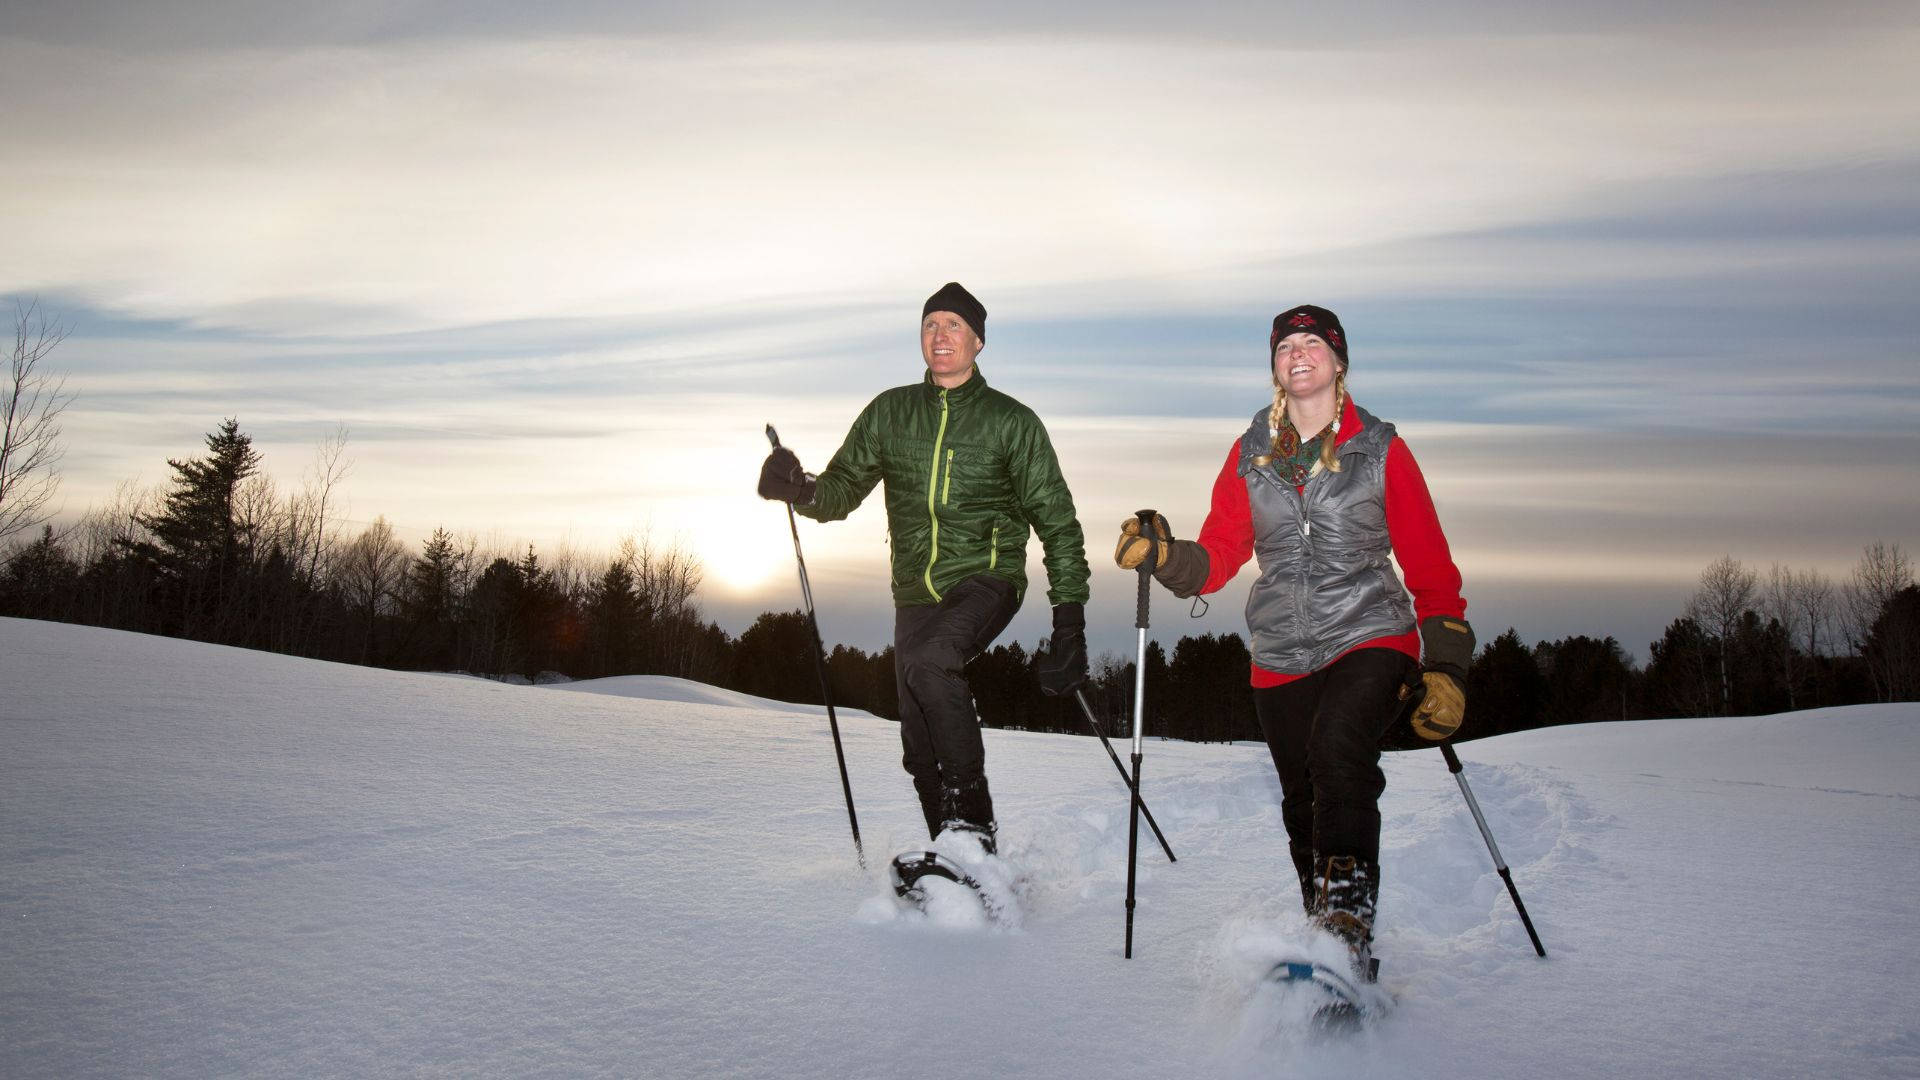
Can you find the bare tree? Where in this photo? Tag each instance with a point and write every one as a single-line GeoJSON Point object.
{"type": "Point", "coordinates": [31, 401]}
{"type": "Point", "coordinates": [256, 514]}
{"type": "Point", "coordinates": [370, 575]}
{"type": "Point", "coordinates": [1813, 592]}
{"type": "Point", "coordinates": [1727, 590]}
{"type": "Point", "coordinates": [1780, 603]}
{"type": "Point", "coordinates": [106, 536]}
{"type": "Point", "coordinates": [1801, 601]}
{"type": "Point", "coordinates": [666, 580]}
{"type": "Point", "coordinates": [1882, 572]}
{"type": "Point", "coordinates": [573, 571]}
{"type": "Point", "coordinates": [627, 557]}
{"type": "Point", "coordinates": [115, 528]}
{"type": "Point", "coordinates": [312, 513]}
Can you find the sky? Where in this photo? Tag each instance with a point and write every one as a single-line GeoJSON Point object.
{"type": "Point", "coordinates": [1635, 286]}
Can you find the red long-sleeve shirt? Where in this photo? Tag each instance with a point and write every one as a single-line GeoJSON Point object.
{"type": "Point", "coordinates": [1413, 528]}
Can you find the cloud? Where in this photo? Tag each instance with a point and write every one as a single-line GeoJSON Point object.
{"type": "Point", "coordinates": [418, 184]}
{"type": "Point", "coordinates": [196, 24]}
{"type": "Point", "coordinates": [1554, 521]}
{"type": "Point", "coordinates": [1637, 297]}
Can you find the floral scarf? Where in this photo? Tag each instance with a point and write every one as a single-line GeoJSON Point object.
{"type": "Point", "coordinates": [1293, 459]}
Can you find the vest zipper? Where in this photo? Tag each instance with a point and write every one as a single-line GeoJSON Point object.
{"type": "Point", "coordinates": [933, 487]}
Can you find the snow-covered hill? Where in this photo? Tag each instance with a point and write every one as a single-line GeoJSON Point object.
{"type": "Point", "coordinates": [666, 688]}
{"type": "Point", "coordinates": [223, 863]}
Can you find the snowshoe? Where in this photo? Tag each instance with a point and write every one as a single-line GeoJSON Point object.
{"type": "Point", "coordinates": [909, 868]}
{"type": "Point", "coordinates": [957, 874]}
{"type": "Point", "coordinates": [1339, 1000]}
{"type": "Point", "coordinates": [946, 891]}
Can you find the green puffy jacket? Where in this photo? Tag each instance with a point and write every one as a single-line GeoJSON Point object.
{"type": "Point", "coordinates": [968, 471]}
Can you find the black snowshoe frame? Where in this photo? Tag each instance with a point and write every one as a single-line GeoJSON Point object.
{"type": "Point", "coordinates": [909, 867]}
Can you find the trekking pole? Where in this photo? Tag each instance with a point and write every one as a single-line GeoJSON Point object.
{"type": "Point", "coordinates": [1095, 724]}
{"type": "Point", "coordinates": [1139, 710]}
{"type": "Point", "coordinates": [1459, 774]}
{"type": "Point", "coordinates": [820, 666]}
{"type": "Point", "coordinates": [1411, 694]}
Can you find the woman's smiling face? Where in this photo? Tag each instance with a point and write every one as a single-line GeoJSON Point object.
{"type": "Point", "coordinates": [1305, 365]}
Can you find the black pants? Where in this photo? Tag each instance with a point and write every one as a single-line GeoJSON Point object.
{"type": "Point", "coordinates": [939, 730]}
{"type": "Point", "coordinates": [1324, 733]}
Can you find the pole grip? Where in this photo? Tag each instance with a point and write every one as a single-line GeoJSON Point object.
{"type": "Point", "coordinates": [1147, 565]}
{"type": "Point", "coordinates": [773, 437]}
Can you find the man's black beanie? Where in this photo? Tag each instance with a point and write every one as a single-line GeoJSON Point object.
{"type": "Point", "coordinates": [955, 298]}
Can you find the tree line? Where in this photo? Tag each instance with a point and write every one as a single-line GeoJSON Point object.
{"type": "Point", "coordinates": [222, 555]}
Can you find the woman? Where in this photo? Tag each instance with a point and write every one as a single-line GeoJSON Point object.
{"type": "Point", "coordinates": [1320, 490]}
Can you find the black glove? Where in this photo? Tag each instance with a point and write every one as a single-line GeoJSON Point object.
{"type": "Point", "coordinates": [1063, 667]}
{"type": "Point", "coordinates": [782, 478]}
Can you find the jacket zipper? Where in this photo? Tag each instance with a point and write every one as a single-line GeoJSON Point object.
{"type": "Point", "coordinates": [993, 551]}
{"type": "Point", "coordinates": [947, 484]}
{"type": "Point", "coordinates": [933, 488]}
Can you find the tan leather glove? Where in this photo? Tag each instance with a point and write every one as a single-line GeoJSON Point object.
{"type": "Point", "coordinates": [1131, 551]}
{"type": "Point", "coordinates": [1442, 709]}
{"type": "Point", "coordinates": [1446, 650]}
{"type": "Point", "coordinates": [1182, 564]}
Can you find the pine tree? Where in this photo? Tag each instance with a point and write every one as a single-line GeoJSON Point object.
{"type": "Point", "coordinates": [1209, 697]}
{"type": "Point", "coordinates": [543, 624]}
{"type": "Point", "coordinates": [614, 621]}
{"type": "Point", "coordinates": [40, 580]}
{"type": "Point", "coordinates": [774, 658]}
{"type": "Point", "coordinates": [429, 601]}
{"type": "Point", "coordinates": [1005, 691]}
{"type": "Point", "coordinates": [1892, 648]}
{"type": "Point", "coordinates": [1759, 678]}
{"type": "Point", "coordinates": [886, 687]}
{"type": "Point", "coordinates": [198, 548]}
{"type": "Point", "coordinates": [1680, 678]}
{"type": "Point", "coordinates": [492, 644]}
{"type": "Point", "coordinates": [1159, 687]}
{"type": "Point", "coordinates": [850, 672]}
{"type": "Point", "coordinates": [1587, 680]}
{"type": "Point", "coordinates": [1505, 690]}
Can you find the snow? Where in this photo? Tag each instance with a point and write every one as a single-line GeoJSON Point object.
{"type": "Point", "coordinates": [668, 688]}
{"type": "Point", "coordinates": [216, 862]}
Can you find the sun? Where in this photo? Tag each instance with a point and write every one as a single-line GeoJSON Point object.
{"type": "Point", "coordinates": [743, 547]}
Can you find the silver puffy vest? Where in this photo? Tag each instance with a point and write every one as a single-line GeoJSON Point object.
{"type": "Point", "coordinates": [1326, 580]}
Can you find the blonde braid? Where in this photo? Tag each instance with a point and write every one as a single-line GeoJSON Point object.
{"type": "Point", "coordinates": [1275, 417]}
{"type": "Point", "coordinates": [1327, 460]}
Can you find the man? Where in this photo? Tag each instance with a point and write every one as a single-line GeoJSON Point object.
{"type": "Point", "coordinates": [968, 470]}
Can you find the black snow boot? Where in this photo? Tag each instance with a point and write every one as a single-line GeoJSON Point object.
{"type": "Point", "coordinates": [969, 807]}
{"type": "Point", "coordinates": [932, 801]}
{"type": "Point", "coordinates": [1347, 888]}
{"type": "Point", "coordinates": [1303, 867]}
